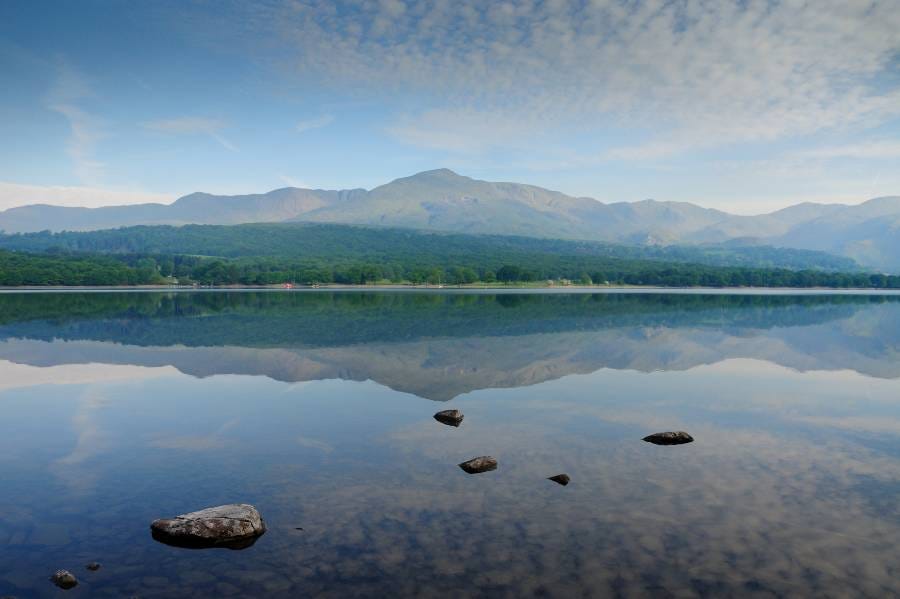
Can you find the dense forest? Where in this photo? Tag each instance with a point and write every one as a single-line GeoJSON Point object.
{"type": "Point", "coordinates": [333, 243]}
{"type": "Point", "coordinates": [272, 254]}
{"type": "Point", "coordinates": [19, 268]}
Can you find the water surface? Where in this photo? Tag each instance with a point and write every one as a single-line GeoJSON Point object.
{"type": "Point", "coordinates": [118, 408]}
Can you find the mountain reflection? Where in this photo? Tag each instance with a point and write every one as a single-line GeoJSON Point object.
{"type": "Point", "coordinates": [439, 345]}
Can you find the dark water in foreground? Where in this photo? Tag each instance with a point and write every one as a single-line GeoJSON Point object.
{"type": "Point", "coordinates": [116, 409]}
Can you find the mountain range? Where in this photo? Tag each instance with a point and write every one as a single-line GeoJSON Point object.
{"type": "Point", "coordinates": [443, 200]}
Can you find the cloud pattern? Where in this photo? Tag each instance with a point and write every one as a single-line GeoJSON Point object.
{"type": "Point", "coordinates": [690, 75]}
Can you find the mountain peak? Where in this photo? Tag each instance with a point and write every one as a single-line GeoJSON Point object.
{"type": "Point", "coordinates": [438, 173]}
{"type": "Point", "coordinates": [442, 177]}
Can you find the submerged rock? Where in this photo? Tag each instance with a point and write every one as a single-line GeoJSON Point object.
{"type": "Point", "coordinates": [93, 566]}
{"type": "Point", "coordinates": [449, 417]}
{"type": "Point", "coordinates": [480, 464]}
{"type": "Point", "coordinates": [233, 526]}
{"type": "Point", "coordinates": [562, 479]}
{"type": "Point", "coordinates": [64, 579]}
{"type": "Point", "coordinates": [669, 438]}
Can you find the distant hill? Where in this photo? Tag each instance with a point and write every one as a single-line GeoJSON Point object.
{"type": "Point", "coordinates": [445, 201]}
{"type": "Point", "coordinates": [196, 208]}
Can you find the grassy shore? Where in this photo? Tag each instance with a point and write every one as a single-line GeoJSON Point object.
{"type": "Point", "coordinates": [495, 287]}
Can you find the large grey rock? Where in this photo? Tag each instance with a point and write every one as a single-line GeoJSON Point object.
{"type": "Point", "coordinates": [480, 464]}
{"type": "Point", "coordinates": [234, 526]}
{"type": "Point", "coordinates": [669, 438]}
{"type": "Point", "coordinates": [64, 579]}
{"type": "Point", "coordinates": [449, 417]}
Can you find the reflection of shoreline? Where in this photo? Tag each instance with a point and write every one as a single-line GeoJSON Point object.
{"type": "Point", "coordinates": [468, 289]}
{"type": "Point", "coordinates": [443, 368]}
{"type": "Point", "coordinates": [439, 346]}
{"type": "Point", "coordinates": [338, 319]}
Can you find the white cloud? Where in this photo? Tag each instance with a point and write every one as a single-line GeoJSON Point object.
{"type": "Point", "coordinates": [14, 194]}
{"type": "Point", "coordinates": [190, 125]}
{"type": "Point", "coordinates": [690, 75]}
{"type": "Point", "coordinates": [317, 123]}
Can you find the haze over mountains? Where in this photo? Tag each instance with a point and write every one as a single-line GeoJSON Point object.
{"type": "Point", "coordinates": [443, 200]}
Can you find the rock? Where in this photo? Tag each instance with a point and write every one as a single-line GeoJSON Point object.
{"type": "Point", "coordinates": [449, 417]}
{"type": "Point", "coordinates": [562, 479]}
{"type": "Point", "coordinates": [64, 579]}
{"type": "Point", "coordinates": [93, 566]}
{"type": "Point", "coordinates": [233, 526]}
{"type": "Point", "coordinates": [481, 464]}
{"type": "Point", "coordinates": [669, 438]}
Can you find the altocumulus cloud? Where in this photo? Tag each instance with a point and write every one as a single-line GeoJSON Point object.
{"type": "Point", "coordinates": [694, 74]}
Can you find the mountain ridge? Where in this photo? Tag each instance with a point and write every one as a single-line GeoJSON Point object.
{"type": "Point", "coordinates": [443, 200]}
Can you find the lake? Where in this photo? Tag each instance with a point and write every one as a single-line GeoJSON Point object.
{"type": "Point", "coordinates": [316, 407]}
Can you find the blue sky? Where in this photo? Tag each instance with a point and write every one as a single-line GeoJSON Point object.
{"type": "Point", "coordinates": [745, 106]}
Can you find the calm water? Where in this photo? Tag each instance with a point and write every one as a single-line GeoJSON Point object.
{"type": "Point", "coordinates": [119, 408]}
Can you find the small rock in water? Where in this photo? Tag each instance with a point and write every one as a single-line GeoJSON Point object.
{"type": "Point", "coordinates": [669, 438]}
{"type": "Point", "coordinates": [481, 464]}
{"type": "Point", "coordinates": [64, 579]}
{"type": "Point", "coordinates": [562, 479]}
{"type": "Point", "coordinates": [449, 417]}
{"type": "Point", "coordinates": [233, 526]}
{"type": "Point", "coordinates": [93, 566]}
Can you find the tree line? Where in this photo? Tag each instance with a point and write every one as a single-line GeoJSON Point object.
{"type": "Point", "coordinates": [20, 268]}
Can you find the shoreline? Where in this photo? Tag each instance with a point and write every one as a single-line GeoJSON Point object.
{"type": "Point", "coordinates": [580, 289]}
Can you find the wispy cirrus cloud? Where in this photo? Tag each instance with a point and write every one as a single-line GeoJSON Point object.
{"type": "Point", "coordinates": [67, 97]}
{"type": "Point", "coordinates": [317, 123]}
{"type": "Point", "coordinates": [192, 125]}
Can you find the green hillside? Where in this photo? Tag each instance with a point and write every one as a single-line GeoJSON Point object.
{"type": "Point", "coordinates": [372, 244]}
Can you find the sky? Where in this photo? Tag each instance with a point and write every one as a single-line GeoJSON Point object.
{"type": "Point", "coordinates": [744, 105]}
